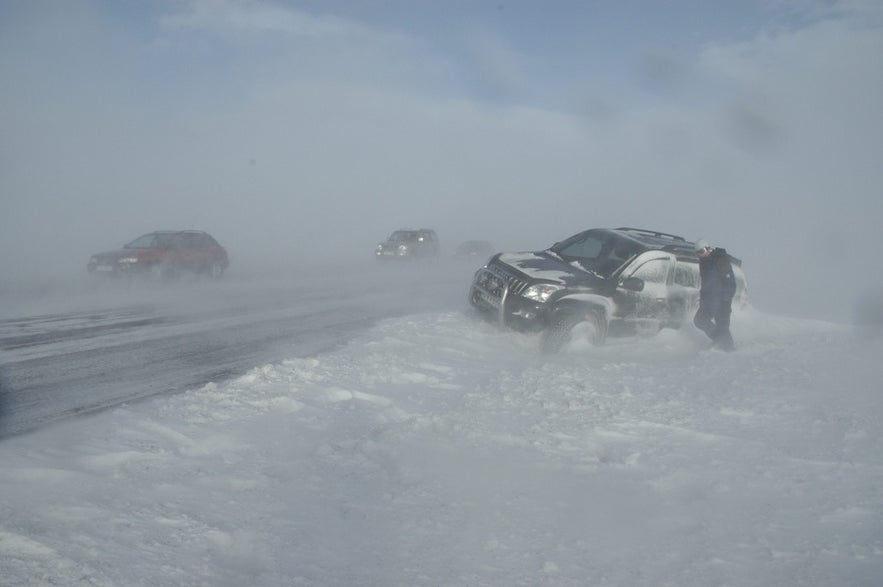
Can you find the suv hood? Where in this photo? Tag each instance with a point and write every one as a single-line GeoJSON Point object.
{"type": "Point", "coordinates": [547, 266]}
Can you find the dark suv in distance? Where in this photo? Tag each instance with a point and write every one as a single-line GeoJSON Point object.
{"type": "Point", "coordinates": [409, 244]}
{"type": "Point", "coordinates": [163, 254]}
{"type": "Point", "coordinates": [597, 283]}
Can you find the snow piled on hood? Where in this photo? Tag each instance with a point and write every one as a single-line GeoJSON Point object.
{"type": "Point", "coordinates": [439, 450]}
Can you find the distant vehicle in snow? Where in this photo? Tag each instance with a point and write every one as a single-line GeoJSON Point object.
{"type": "Point", "coordinates": [163, 254]}
{"type": "Point", "coordinates": [593, 284]}
{"type": "Point", "coordinates": [474, 249]}
{"type": "Point", "coordinates": [409, 244]}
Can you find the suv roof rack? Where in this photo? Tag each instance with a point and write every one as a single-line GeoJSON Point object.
{"type": "Point", "coordinates": [680, 249]}
{"type": "Point", "coordinates": [653, 233]}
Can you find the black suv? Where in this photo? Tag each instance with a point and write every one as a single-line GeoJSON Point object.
{"type": "Point", "coordinates": [409, 244]}
{"type": "Point", "coordinates": [599, 282]}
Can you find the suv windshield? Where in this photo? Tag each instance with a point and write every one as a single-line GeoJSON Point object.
{"type": "Point", "coordinates": [600, 253]}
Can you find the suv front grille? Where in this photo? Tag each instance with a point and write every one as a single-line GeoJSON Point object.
{"type": "Point", "coordinates": [516, 285]}
{"type": "Point", "coordinates": [495, 283]}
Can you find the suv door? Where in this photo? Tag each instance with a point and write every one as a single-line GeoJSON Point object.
{"type": "Point", "coordinates": [684, 292]}
{"type": "Point", "coordinates": [187, 250]}
{"type": "Point", "coordinates": [649, 309]}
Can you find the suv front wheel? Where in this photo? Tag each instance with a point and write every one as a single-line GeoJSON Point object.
{"type": "Point", "coordinates": [160, 271]}
{"type": "Point", "coordinates": [573, 327]}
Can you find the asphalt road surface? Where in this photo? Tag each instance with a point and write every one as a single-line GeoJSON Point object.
{"type": "Point", "coordinates": [110, 343]}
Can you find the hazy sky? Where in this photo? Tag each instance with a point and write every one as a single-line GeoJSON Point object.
{"type": "Point", "coordinates": [297, 128]}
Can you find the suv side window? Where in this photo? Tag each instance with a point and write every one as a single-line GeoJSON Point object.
{"type": "Point", "coordinates": [687, 274]}
{"type": "Point", "coordinates": [162, 241]}
{"type": "Point", "coordinates": [176, 241]}
{"type": "Point", "coordinates": [188, 240]}
{"type": "Point", "coordinates": [199, 240]}
{"type": "Point", "coordinates": [653, 271]}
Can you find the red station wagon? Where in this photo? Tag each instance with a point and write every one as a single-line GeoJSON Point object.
{"type": "Point", "coordinates": [163, 254]}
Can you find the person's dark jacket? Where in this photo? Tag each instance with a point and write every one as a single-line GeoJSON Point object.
{"type": "Point", "coordinates": [718, 281]}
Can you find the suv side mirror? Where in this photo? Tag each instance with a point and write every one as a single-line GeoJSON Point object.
{"type": "Point", "coordinates": [632, 283]}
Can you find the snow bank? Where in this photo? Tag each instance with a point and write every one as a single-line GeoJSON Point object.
{"type": "Point", "coordinates": [438, 450]}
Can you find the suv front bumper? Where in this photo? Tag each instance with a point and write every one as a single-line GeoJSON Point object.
{"type": "Point", "coordinates": [494, 293]}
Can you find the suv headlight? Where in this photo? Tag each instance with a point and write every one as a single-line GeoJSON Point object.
{"type": "Point", "coordinates": [541, 291]}
{"type": "Point", "coordinates": [403, 249]}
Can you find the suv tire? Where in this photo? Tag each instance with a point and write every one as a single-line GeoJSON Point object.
{"type": "Point", "coordinates": [574, 326]}
{"type": "Point", "coordinates": [160, 272]}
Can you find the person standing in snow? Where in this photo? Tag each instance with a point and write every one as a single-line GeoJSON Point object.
{"type": "Point", "coordinates": [715, 294]}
